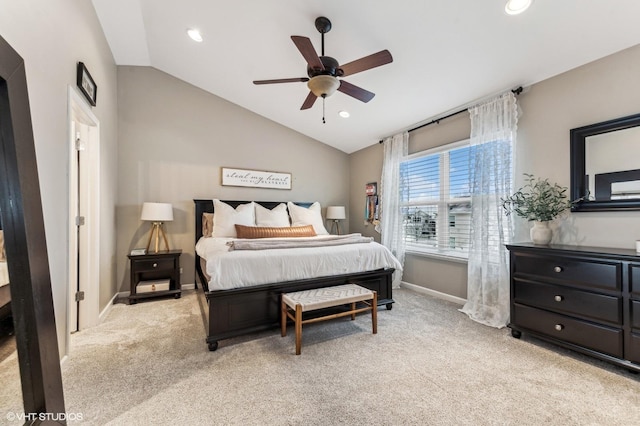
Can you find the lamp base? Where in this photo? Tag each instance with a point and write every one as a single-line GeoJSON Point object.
{"type": "Point", "coordinates": [335, 227]}
{"type": "Point", "coordinates": [157, 229]}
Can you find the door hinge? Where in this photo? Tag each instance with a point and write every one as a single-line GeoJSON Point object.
{"type": "Point", "coordinates": [79, 220]}
{"type": "Point", "coordinates": [79, 296]}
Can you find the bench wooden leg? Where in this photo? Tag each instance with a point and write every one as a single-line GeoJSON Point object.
{"type": "Point", "coordinates": [283, 318]}
{"type": "Point", "coordinates": [374, 313]}
{"type": "Point", "coordinates": [298, 329]}
{"type": "Point", "coordinates": [353, 308]}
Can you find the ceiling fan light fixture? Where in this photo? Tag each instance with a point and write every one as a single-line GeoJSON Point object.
{"type": "Point", "coordinates": [323, 85]}
{"type": "Point", "coordinates": [515, 7]}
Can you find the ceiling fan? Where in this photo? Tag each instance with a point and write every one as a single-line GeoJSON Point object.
{"type": "Point", "coordinates": [323, 71]}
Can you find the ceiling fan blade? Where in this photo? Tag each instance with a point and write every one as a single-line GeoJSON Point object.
{"type": "Point", "coordinates": [377, 59]}
{"type": "Point", "coordinates": [308, 103]}
{"type": "Point", "coordinates": [355, 91]}
{"type": "Point", "coordinates": [308, 52]}
{"type": "Point", "coordinates": [282, 80]}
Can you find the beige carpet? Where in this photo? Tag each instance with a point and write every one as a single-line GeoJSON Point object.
{"type": "Point", "coordinates": [148, 364]}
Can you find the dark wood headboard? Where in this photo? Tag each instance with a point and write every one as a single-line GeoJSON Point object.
{"type": "Point", "coordinates": [206, 206]}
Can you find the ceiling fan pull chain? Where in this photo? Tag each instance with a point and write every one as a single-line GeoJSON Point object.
{"type": "Point", "coordinates": [323, 98]}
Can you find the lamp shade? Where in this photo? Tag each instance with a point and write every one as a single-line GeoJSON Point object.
{"type": "Point", "coordinates": [323, 85]}
{"type": "Point", "coordinates": [157, 212]}
{"type": "Point", "coordinates": [336, 212]}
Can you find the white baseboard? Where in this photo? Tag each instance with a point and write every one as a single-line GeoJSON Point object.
{"type": "Point", "coordinates": [419, 289]}
{"type": "Point", "coordinates": [190, 286]}
{"type": "Point", "coordinates": [107, 308]}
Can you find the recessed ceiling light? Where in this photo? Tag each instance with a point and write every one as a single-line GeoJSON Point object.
{"type": "Point", "coordinates": [515, 7]}
{"type": "Point", "coordinates": [195, 35]}
{"type": "Point", "coordinates": [344, 114]}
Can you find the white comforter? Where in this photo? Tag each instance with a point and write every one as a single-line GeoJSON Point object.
{"type": "Point", "coordinates": [4, 274]}
{"type": "Point", "coordinates": [244, 268]}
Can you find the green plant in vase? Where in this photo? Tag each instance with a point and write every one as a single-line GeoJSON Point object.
{"type": "Point", "coordinates": [539, 201]}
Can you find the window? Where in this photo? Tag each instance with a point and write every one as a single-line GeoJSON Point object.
{"type": "Point", "coordinates": [436, 201]}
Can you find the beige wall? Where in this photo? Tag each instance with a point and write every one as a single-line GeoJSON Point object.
{"type": "Point", "coordinates": [52, 36]}
{"type": "Point", "coordinates": [599, 91]}
{"type": "Point", "coordinates": [174, 138]}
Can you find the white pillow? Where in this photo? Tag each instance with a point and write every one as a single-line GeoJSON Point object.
{"type": "Point", "coordinates": [301, 216]}
{"type": "Point", "coordinates": [226, 218]}
{"type": "Point", "coordinates": [276, 217]}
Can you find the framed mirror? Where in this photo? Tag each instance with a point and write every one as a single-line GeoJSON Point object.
{"type": "Point", "coordinates": [26, 249]}
{"type": "Point", "coordinates": [605, 165]}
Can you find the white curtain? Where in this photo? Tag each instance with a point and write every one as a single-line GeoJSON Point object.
{"type": "Point", "coordinates": [390, 227]}
{"type": "Point", "coordinates": [493, 134]}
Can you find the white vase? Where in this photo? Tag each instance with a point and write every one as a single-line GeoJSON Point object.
{"type": "Point", "coordinates": [540, 233]}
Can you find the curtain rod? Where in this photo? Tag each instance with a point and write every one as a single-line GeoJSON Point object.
{"type": "Point", "coordinates": [515, 91]}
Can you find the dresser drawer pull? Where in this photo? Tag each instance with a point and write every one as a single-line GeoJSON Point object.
{"type": "Point", "coordinates": [557, 269]}
{"type": "Point", "coordinates": [155, 265]}
{"type": "Point", "coordinates": [559, 327]}
{"type": "Point", "coordinates": [558, 298]}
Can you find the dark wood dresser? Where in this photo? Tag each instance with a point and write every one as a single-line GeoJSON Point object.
{"type": "Point", "coordinates": [582, 298]}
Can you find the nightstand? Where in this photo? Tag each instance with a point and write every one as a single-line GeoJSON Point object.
{"type": "Point", "coordinates": [155, 275]}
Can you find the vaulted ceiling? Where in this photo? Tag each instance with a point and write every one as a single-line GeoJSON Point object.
{"type": "Point", "coordinates": [445, 53]}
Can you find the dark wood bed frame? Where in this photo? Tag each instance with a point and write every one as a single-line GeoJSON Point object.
{"type": "Point", "coordinates": [245, 310]}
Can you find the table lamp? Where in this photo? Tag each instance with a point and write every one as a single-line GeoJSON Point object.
{"type": "Point", "coordinates": [336, 213]}
{"type": "Point", "coordinates": [157, 213]}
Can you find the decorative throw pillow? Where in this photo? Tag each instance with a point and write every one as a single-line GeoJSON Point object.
{"type": "Point", "coordinates": [207, 224]}
{"type": "Point", "coordinates": [226, 217]}
{"type": "Point", "coordinates": [307, 216]}
{"type": "Point", "coordinates": [277, 216]}
{"type": "Point", "coordinates": [274, 231]}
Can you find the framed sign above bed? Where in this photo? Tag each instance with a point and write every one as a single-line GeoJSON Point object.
{"type": "Point", "coordinates": [255, 178]}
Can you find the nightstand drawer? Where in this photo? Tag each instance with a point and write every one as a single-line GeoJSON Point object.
{"type": "Point", "coordinates": [589, 273]}
{"type": "Point", "coordinates": [570, 301]}
{"type": "Point", "coordinates": [154, 265]}
{"type": "Point", "coordinates": [597, 337]}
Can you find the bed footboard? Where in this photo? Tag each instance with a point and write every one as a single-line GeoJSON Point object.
{"type": "Point", "coordinates": [241, 311]}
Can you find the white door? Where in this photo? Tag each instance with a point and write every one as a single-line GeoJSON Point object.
{"type": "Point", "coordinates": [84, 201]}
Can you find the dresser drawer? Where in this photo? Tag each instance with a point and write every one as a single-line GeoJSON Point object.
{"type": "Point", "coordinates": [634, 279]}
{"type": "Point", "coordinates": [592, 273]}
{"type": "Point", "coordinates": [582, 333]}
{"type": "Point", "coordinates": [570, 301]}
{"type": "Point", "coordinates": [154, 265]}
{"type": "Point", "coordinates": [635, 314]}
{"type": "Point", "coordinates": [634, 349]}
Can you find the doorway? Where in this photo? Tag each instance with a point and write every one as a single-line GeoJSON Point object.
{"type": "Point", "coordinates": [84, 215]}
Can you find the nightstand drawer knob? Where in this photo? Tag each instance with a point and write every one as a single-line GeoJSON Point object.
{"type": "Point", "coordinates": [557, 269]}
{"type": "Point", "coordinates": [559, 327]}
{"type": "Point", "coordinates": [558, 298]}
{"type": "Point", "coordinates": [155, 265]}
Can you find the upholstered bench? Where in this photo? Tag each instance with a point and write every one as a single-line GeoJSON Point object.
{"type": "Point", "coordinates": [294, 304]}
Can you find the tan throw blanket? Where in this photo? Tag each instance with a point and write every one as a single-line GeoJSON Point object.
{"type": "Point", "coordinates": [267, 244]}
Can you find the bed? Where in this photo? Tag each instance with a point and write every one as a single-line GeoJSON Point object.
{"type": "Point", "coordinates": [5, 295]}
{"type": "Point", "coordinates": [236, 309]}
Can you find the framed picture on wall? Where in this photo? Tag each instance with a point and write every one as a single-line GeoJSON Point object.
{"type": "Point", "coordinates": [86, 84]}
{"type": "Point", "coordinates": [255, 178]}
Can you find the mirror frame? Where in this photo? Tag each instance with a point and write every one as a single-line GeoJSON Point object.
{"type": "Point", "coordinates": [25, 244]}
{"type": "Point", "coordinates": [578, 138]}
